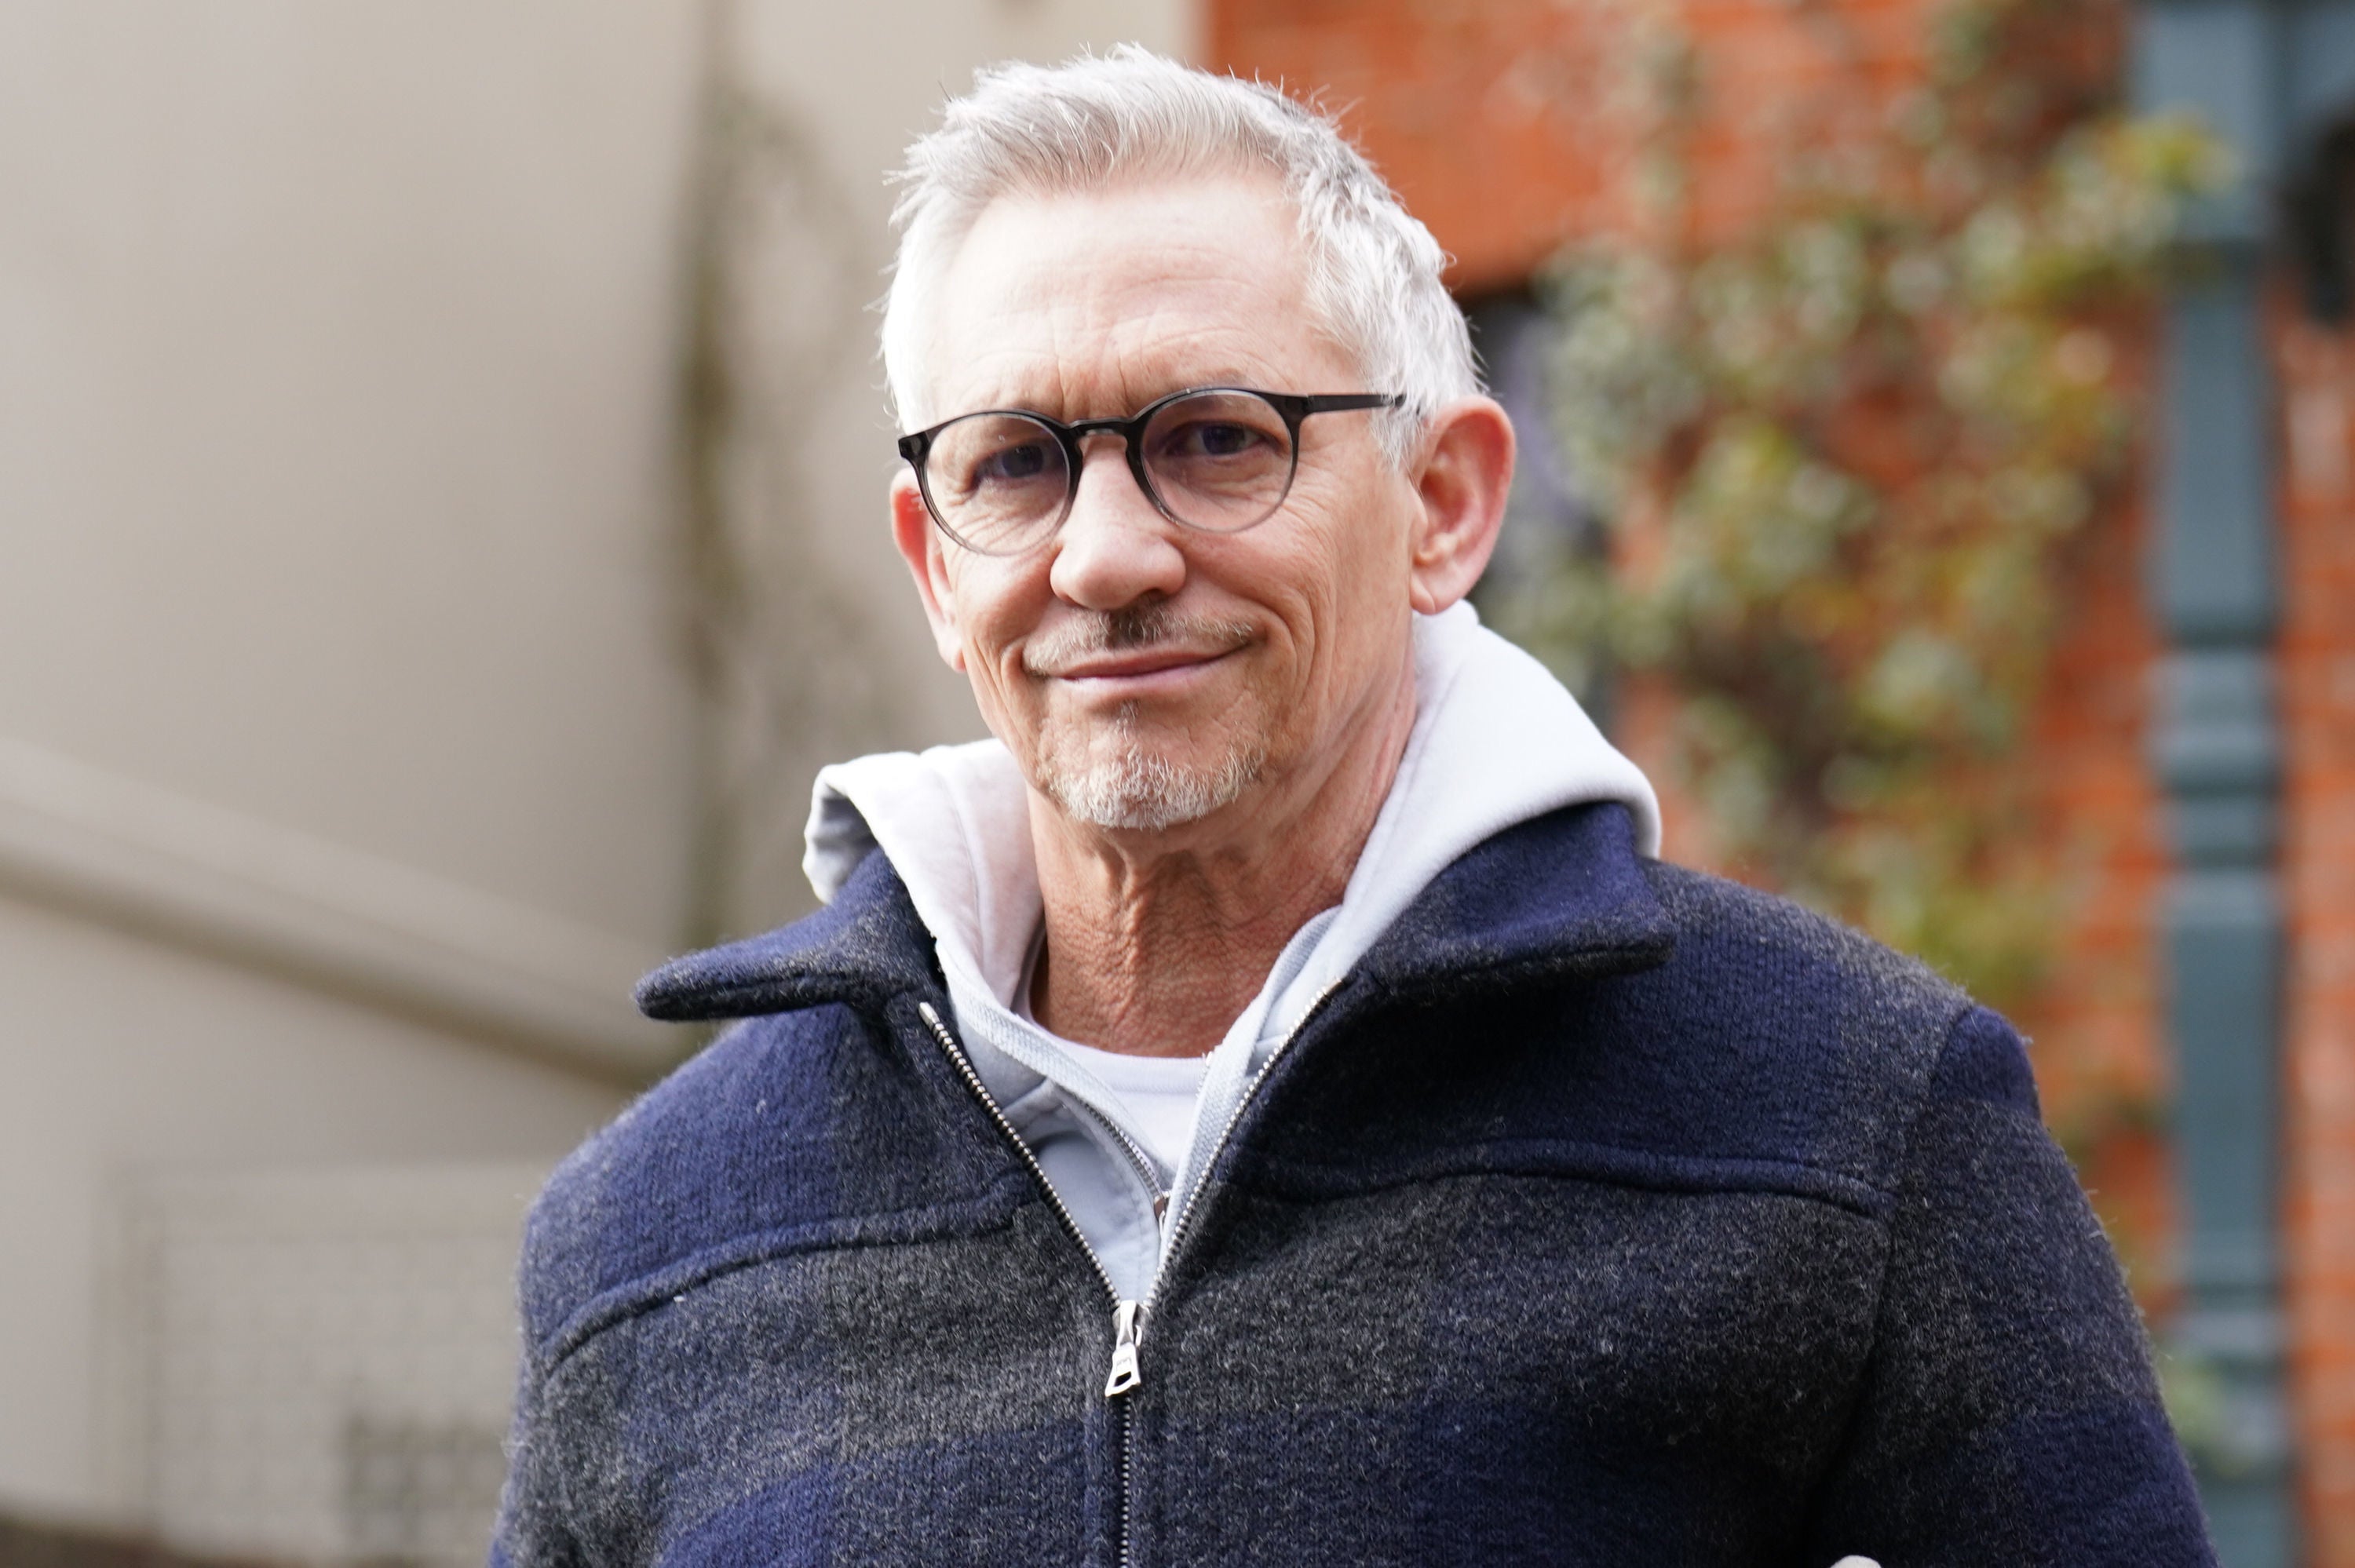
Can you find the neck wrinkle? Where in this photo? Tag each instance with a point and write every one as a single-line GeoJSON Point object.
{"type": "Point", "coordinates": [1157, 953]}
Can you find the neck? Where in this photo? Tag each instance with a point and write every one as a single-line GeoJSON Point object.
{"type": "Point", "coordinates": [1157, 942]}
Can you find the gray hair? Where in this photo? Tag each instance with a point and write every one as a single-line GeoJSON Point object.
{"type": "Point", "coordinates": [1093, 121]}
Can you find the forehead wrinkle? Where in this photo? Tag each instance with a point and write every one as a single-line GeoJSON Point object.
{"type": "Point", "coordinates": [1087, 359]}
{"type": "Point", "coordinates": [1116, 316]}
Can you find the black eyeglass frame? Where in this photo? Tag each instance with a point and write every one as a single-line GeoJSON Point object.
{"type": "Point", "coordinates": [1291, 408]}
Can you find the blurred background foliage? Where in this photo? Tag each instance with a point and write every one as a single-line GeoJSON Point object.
{"type": "Point", "coordinates": [1841, 454]}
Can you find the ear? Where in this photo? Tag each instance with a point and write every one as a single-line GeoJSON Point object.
{"type": "Point", "coordinates": [1461, 477]}
{"type": "Point", "coordinates": [920, 546]}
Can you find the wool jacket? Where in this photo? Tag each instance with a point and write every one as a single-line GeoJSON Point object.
{"type": "Point", "coordinates": [1606, 1215]}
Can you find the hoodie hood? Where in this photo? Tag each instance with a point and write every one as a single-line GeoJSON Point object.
{"type": "Point", "coordinates": [1497, 741]}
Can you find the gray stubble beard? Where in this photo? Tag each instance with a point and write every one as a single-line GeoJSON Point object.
{"type": "Point", "coordinates": [1139, 791]}
{"type": "Point", "coordinates": [1131, 788]}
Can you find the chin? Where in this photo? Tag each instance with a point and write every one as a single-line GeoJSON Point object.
{"type": "Point", "coordinates": [1129, 785]}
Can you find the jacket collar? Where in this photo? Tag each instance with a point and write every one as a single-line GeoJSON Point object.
{"type": "Point", "coordinates": [865, 947]}
{"type": "Point", "coordinates": [1560, 897]}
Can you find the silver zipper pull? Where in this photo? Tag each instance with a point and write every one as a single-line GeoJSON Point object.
{"type": "Point", "coordinates": [1127, 1327]}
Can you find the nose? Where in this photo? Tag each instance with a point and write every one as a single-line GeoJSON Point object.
{"type": "Point", "coordinates": [1114, 548]}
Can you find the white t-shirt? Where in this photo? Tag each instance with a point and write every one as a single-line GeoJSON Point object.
{"type": "Point", "coordinates": [1158, 1093]}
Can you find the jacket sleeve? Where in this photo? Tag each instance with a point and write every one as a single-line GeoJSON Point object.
{"type": "Point", "coordinates": [2010, 1415]}
{"type": "Point", "coordinates": [533, 1530]}
{"type": "Point", "coordinates": [539, 1522]}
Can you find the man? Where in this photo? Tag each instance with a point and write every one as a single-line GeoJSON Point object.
{"type": "Point", "coordinates": [1268, 1106]}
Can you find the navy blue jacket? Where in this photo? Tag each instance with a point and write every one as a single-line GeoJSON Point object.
{"type": "Point", "coordinates": [1608, 1215]}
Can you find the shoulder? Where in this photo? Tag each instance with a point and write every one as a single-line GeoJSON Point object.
{"type": "Point", "coordinates": [795, 1131]}
{"type": "Point", "coordinates": [1768, 966]}
{"type": "Point", "coordinates": [1820, 1045]}
{"type": "Point", "coordinates": [731, 1128]}
{"type": "Point", "coordinates": [1788, 956]}
{"type": "Point", "coordinates": [809, 1117]}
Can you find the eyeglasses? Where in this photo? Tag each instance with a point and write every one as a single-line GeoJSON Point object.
{"type": "Point", "coordinates": [1220, 459]}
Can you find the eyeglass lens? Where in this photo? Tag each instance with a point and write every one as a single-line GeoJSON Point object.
{"type": "Point", "coordinates": [1219, 460]}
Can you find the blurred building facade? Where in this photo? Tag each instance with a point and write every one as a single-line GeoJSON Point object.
{"type": "Point", "coordinates": [2203, 693]}
{"type": "Point", "coordinates": [362, 734]}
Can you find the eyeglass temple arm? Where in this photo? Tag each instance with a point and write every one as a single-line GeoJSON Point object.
{"type": "Point", "coordinates": [1337, 402]}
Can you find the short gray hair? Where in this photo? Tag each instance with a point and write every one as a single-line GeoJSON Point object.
{"type": "Point", "coordinates": [1097, 120]}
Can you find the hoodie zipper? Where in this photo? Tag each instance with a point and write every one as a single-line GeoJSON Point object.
{"type": "Point", "coordinates": [1138, 1157]}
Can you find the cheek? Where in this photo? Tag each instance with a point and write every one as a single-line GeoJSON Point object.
{"type": "Point", "coordinates": [1354, 560]}
{"type": "Point", "coordinates": [989, 594]}
{"type": "Point", "coordinates": [1317, 590]}
{"type": "Point", "coordinates": [995, 608]}
{"type": "Point", "coordinates": [1356, 605]}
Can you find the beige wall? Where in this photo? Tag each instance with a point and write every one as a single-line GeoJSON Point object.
{"type": "Point", "coordinates": [337, 350]}
{"type": "Point", "coordinates": [845, 89]}
{"type": "Point", "coordinates": [335, 353]}
{"type": "Point", "coordinates": [126, 1064]}
{"type": "Point", "coordinates": [348, 768]}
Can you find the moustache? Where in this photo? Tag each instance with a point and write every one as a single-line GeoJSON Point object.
{"type": "Point", "coordinates": [1125, 630]}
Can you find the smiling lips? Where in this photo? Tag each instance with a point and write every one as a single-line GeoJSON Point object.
{"type": "Point", "coordinates": [1133, 646]}
{"type": "Point", "coordinates": [1138, 664]}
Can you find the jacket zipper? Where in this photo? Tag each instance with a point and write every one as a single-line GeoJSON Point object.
{"type": "Point", "coordinates": [1127, 1317]}
{"type": "Point", "coordinates": [1176, 1237]}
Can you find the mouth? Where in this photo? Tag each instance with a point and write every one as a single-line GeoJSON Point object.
{"type": "Point", "coordinates": [1125, 657]}
{"type": "Point", "coordinates": [1135, 673]}
{"type": "Point", "coordinates": [1135, 663]}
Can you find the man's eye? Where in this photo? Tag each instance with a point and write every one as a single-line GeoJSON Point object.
{"type": "Point", "coordinates": [1011, 465]}
{"type": "Point", "coordinates": [1214, 439]}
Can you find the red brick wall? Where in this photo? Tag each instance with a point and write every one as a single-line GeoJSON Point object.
{"type": "Point", "coordinates": [2096, 1033]}
{"type": "Point", "coordinates": [1502, 123]}
{"type": "Point", "coordinates": [1470, 109]}
{"type": "Point", "coordinates": [2318, 696]}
